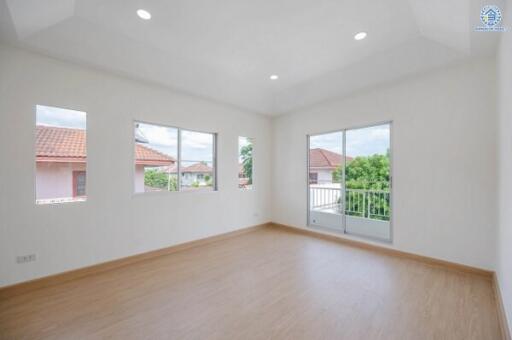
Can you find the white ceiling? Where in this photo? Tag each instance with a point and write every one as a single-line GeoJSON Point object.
{"type": "Point", "coordinates": [226, 50]}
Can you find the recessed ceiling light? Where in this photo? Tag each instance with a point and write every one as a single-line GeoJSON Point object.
{"type": "Point", "coordinates": [274, 77]}
{"type": "Point", "coordinates": [143, 14]}
{"type": "Point", "coordinates": [360, 36]}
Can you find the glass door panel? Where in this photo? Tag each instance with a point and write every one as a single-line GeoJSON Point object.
{"type": "Point", "coordinates": [368, 182]}
{"type": "Point", "coordinates": [325, 180]}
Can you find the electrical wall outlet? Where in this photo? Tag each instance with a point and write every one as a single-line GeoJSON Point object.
{"type": "Point", "coordinates": [25, 258]}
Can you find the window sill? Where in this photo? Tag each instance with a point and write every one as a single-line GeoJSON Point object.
{"type": "Point", "coordinates": [55, 201]}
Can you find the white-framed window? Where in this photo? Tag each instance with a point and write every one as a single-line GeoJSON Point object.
{"type": "Point", "coordinates": [245, 163]}
{"type": "Point", "coordinates": [173, 159]}
{"type": "Point", "coordinates": [197, 160]}
{"type": "Point", "coordinates": [60, 155]}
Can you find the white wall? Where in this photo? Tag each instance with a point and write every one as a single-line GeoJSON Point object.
{"type": "Point", "coordinates": [444, 158]}
{"type": "Point", "coordinates": [324, 176]}
{"type": "Point", "coordinates": [444, 166]}
{"type": "Point", "coordinates": [113, 223]}
{"type": "Point", "coordinates": [504, 233]}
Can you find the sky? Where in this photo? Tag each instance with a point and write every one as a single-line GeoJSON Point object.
{"type": "Point", "coordinates": [54, 116]}
{"type": "Point", "coordinates": [360, 142]}
{"type": "Point", "coordinates": [195, 146]}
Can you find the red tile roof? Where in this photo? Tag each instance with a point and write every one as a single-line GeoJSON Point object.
{"type": "Point", "coordinates": [60, 143]}
{"type": "Point", "coordinates": [197, 167]}
{"type": "Point", "coordinates": [325, 159]}
{"type": "Point", "coordinates": [147, 156]}
{"type": "Point", "coordinates": [56, 144]}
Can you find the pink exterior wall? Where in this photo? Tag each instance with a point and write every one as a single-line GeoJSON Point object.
{"type": "Point", "coordinates": [139, 178]}
{"type": "Point", "coordinates": [55, 180]}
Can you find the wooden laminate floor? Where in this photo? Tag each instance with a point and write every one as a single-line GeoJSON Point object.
{"type": "Point", "coordinates": [267, 284]}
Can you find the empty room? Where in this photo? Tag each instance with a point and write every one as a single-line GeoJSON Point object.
{"type": "Point", "coordinates": [244, 169]}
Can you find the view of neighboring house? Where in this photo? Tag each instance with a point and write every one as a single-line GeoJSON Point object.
{"type": "Point", "coordinates": [145, 157]}
{"type": "Point", "coordinates": [199, 174]}
{"type": "Point", "coordinates": [61, 163]}
{"type": "Point", "coordinates": [322, 164]}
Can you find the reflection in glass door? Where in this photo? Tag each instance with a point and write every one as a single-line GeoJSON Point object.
{"type": "Point", "coordinates": [351, 193]}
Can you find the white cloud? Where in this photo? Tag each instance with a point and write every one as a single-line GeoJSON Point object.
{"type": "Point", "coordinates": [159, 135]}
{"type": "Point", "coordinates": [195, 146]}
{"type": "Point", "coordinates": [160, 138]}
{"type": "Point", "coordinates": [360, 142]}
{"type": "Point", "coordinates": [196, 140]}
{"type": "Point", "coordinates": [329, 141]}
{"type": "Point", "coordinates": [54, 116]}
{"type": "Point", "coordinates": [368, 141]}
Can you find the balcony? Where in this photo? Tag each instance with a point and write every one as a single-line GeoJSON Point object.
{"type": "Point", "coordinates": [367, 211]}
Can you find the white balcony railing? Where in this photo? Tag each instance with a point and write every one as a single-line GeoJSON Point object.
{"type": "Point", "coordinates": [372, 204]}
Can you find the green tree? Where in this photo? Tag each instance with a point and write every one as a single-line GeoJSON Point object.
{"type": "Point", "coordinates": [366, 173]}
{"type": "Point", "coordinates": [337, 175]}
{"type": "Point", "coordinates": [158, 179]}
{"type": "Point", "coordinates": [173, 183]}
{"type": "Point", "coordinates": [246, 154]}
{"type": "Point", "coordinates": [371, 172]}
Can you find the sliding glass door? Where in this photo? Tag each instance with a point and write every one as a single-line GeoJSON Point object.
{"type": "Point", "coordinates": [350, 181]}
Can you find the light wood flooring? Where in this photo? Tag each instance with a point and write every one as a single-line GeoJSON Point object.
{"type": "Point", "coordinates": [267, 284]}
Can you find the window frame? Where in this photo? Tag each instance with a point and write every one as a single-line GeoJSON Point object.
{"type": "Point", "coordinates": [389, 122]}
{"type": "Point", "coordinates": [178, 160]}
{"type": "Point", "coordinates": [73, 199]}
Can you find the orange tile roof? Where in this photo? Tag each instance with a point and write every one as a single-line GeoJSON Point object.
{"type": "Point", "coordinates": [53, 142]}
{"type": "Point", "coordinates": [56, 144]}
{"type": "Point", "coordinates": [147, 156]}
{"type": "Point", "coordinates": [325, 159]}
